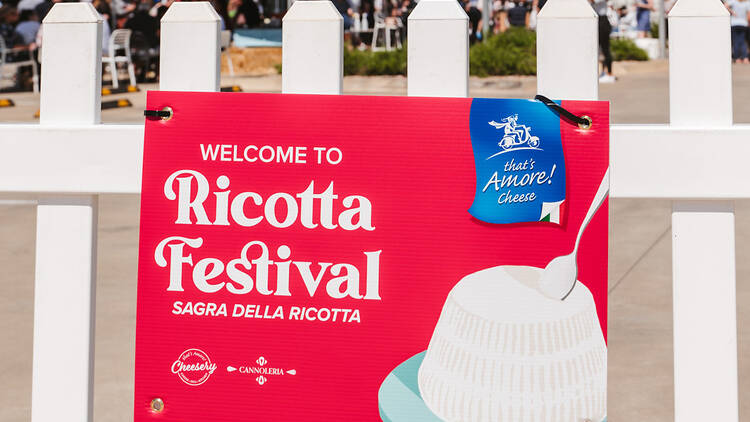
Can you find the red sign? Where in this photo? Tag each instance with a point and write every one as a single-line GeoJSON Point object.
{"type": "Point", "coordinates": [314, 258]}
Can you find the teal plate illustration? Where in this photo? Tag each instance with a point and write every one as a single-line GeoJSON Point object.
{"type": "Point", "coordinates": [399, 399]}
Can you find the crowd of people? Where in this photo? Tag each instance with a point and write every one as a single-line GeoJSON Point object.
{"type": "Point", "coordinates": [622, 18]}
{"type": "Point", "coordinates": [21, 33]}
{"type": "Point", "coordinates": [624, 15]}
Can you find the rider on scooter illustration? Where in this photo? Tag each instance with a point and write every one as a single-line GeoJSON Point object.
{"type": "Point", "coordinates": [515, 134]}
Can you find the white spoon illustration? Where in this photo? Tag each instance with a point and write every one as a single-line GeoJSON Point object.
{"type": "Point", "coordinates": [559, 277]}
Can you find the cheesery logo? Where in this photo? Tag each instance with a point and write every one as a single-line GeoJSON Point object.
{"type": "Point", "coordinates": [193, 367]}
{"type": "Point", "coordinates": [515, 136]}
{"type": "Point", "coordinates": [260, 369]}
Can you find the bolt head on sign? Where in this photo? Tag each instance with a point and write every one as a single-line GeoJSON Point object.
{"type": "Point", "coordinates": [323, 258]}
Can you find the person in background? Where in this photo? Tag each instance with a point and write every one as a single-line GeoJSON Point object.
{"type": "Point", "coordinates": [28, 26]}
{"type": "Point", "coordinates": [221, 8]}
{"type": "Point", "coordinates": [407, 6]}
{"type": "Point", "coordinates": [346, 10]}
{"type": "Point", "coordinates": [12, 40]}
{"type": "Point", "coordinates": [740, 14]}
{"type": "Point", "coordinates": [102, 6]}
{"type": "Point", "coordinates": [643, 16]}
{"type": "Point", "coordinates": [144, 25]}
{"type": "Point", "coordinates": [473, 10]}
{"type": "Point", "coordinates": [242, 14]}
{"type": "Point", "coordinates": [536, 7]}
{"type": "Point", "coordinates": [626, 21]}
{"type": "Point", "coordinates": [519, 15]}
{"type": "Point", "coordinates": [123, 10]}
{"type": "Point", "coordinates": [159, 9]}
{"type": "Point", "coordinates": [20, 50]}
{"type": "Point", "coordinates": [43, 8]}
{"type": "Point", "coordinates": [605, 29]}
{"type": "Point", "coordinates": [367, 7]}
{"type": "Point", "coordinates": [41, 11]}
{"type": "Point", "coordinates": [8, 20]}
{"type": "Point", "coordinates": [499, 16]}
{"type": "Point", "coordinates": [27, 5]}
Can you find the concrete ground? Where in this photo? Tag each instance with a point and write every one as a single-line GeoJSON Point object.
{"type": "Point", "coordinates": [640, 311]}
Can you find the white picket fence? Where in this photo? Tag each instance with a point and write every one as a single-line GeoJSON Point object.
{"type": "Point", "coordinates": [69, 159]}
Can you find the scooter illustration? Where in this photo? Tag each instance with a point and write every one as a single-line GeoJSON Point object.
{"type": "Point", "coordinates": [515, 134]}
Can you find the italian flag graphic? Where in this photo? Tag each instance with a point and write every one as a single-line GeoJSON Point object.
{"type": "Point", "coordinates": [551, 211]}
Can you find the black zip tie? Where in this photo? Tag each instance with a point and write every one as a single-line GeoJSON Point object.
{"type": "Point", "coordinates": [583, 122]}
{"type": "Point", "coordinates": [164, 114]}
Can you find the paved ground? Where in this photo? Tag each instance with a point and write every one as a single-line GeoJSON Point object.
{"type": "Point", "coordinates": [640, 342]}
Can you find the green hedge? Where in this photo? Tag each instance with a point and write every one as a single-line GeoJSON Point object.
{"type": "Point", "coordinates": [366, 62]}
{"type": "Point", "coordinates": [654, 30]}
{"type": "Point", "coordinates": [625, 49]}
{"type": "Point", "coordinates": [510, 53]}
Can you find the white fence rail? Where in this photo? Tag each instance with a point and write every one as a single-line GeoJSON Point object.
{"type": "Point", "coordinates": [69, 159]}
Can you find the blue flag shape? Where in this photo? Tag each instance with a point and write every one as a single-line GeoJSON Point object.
{"type": "Point", "coordinates": [520, 167]}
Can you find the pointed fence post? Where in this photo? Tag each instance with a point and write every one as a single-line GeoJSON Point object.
{"type": "Point", "coordinates": [438, 56]}
{"type": "Point", "coordinates": [190, 48]}
{"type": "Point", "coordinates": [313, 46]}
{"type": "Point", "coordinates": [568, 50]}
{"type": "Point", "coordinates": [72, 76]}
{"type": "Point", "coordinates": [65, 274]}
{"type": "Point", "coordinates": [703, 245]}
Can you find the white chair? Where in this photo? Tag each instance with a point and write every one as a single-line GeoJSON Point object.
{"type": "Point", "coordinates": [31, 61]}
{"type": "Point", "coordinates": [119, 41]}
{"type": "Point", "coordinates": [386, 25]}
{"type": "Point", "coordinates": [226, 41]}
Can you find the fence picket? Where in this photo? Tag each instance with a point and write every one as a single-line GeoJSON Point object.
{"type": "Point", "coordinates": [64, 286]}
{"type": "Point", "coordinates": [703, 245]}
{"type": "Point", "coordinates": [567, 50]}
{"type": "Point", "coordinates": [190, 48]}
{"type": "Point", "coordinates": [312, 54]}
{"type": "Point", "coordinates": [72, 87]}
{"type": "Point", "coordinates": [438, 50]}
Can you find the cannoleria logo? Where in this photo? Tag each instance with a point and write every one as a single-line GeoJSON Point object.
{"type": "Point", "coordinates": [263, 372]}
{"type": "Point", "coordinates": [193, 367]}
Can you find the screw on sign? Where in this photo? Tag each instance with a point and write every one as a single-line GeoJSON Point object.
{"type": "Point", "coordinates": [157, 405]}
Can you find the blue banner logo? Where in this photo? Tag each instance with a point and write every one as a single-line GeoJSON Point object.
{"type": "Point", "coordinates": [519, 161]}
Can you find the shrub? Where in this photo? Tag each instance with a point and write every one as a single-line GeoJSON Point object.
{"type": "Point", "coordinates": [624, 49]}
{"type": "Point", "coordinates": [358, 62]}
{"type": "Point", "coordinates": [510, 53]}
{"type": "Point", "coordinates": [654, 30]}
